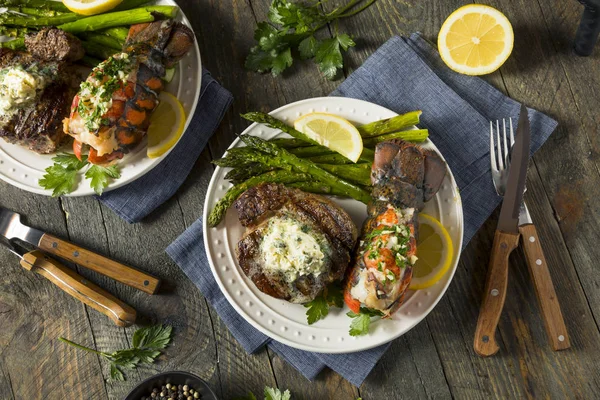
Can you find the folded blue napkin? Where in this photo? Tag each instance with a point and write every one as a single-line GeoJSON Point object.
{"type": "Point", "coordinates": [403, 75]}
{"type": "Point", "coordinates": [142, 196]}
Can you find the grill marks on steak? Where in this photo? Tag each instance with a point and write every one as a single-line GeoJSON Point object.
{"type": "Point", "coordinates": [258, 205]}
{"type": "Point", "coordinates": [38, 125]}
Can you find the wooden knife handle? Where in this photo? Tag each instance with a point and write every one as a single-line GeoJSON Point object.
{"type": "Point", "coordinates": [105, 266]}
{"type": "Point", "coordinates": [79, 287]}
{"type": "Point", "coordinates": [544, 288]}
{"type": "Point", "coordinates": [495, 293]}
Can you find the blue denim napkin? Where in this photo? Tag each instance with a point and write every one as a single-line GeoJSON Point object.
{"type": "Point", "coordinates": [142, 196]}
{"type": "Point", "coordinates": [403, 75]}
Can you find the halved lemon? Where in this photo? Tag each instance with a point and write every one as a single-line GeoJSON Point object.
{"type": "Point", "coordinates": [333, 132]}
{"type": "Point", "coordinates": [91, 7]}
{"type": "Point", "coordinates": [166, 125]}
{"type": "Point", "coordinates": [434, 251]}
{"type": "Point", "coordinates": [475, 40]}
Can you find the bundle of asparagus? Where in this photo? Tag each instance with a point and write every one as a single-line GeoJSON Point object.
{"type": "Point", "coordinates": [102, 35]}
{"type": "Point", "coordinates": [302, 163]}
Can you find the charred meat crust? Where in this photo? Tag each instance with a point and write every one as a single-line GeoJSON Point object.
{"type": "Point", "coordinates": [53, 44]}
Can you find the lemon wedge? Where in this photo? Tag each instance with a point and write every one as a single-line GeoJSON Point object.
{"type": "Point", "coordinates": [475, 40]}
{"type": "Point", "coordinates": [166, 125]}
{"type": "Point", "coordinates": [91, 7]}
{"type": "Point", "coordinates": [333, 132]}
{"type": "Point", "coordinates": [434, 251]}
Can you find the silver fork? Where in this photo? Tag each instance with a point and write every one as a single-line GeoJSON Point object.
{"type": "Point", "coordinates": [501, 160]}
{"type": "Point", "coordinates": [536, 261]}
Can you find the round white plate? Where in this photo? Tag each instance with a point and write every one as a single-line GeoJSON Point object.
{"type": "Point", "coordinates": [23, 168]}
{"type": "Point", "coordinates": [286, 322]}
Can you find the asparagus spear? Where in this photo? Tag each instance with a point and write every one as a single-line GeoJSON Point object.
{"type": "Point", "coordinates": [352, 173]}
{"type": "Point", "coordinates": [129, 4]}
{"type": "Point", "coordinates": [13, 31]}
{"type": "Point", "coordinates": [98, 51]}
{"type": "Point", "coordinates": [333, 158]}
{"type": "Point", "coordinates": [16, 44]}
{"type": "Point", "coordinates": [300, 165]}
{"type": "Point", "coordinates": [279, 176]}
{"type": "Point", "coordinates": [315, 187]}
{"type": "Point", "coordinates": [41, 21]}
{"type": "Point", "coordinates": [36, 12]}
{"type": "Point", "coordinates": [102, 40]}
{"type": "Point", "coordinates": [415, 135]}
{"type": "Point", "coordinates": [118, 32]}
{"type": "Point", "coordinates": [390, 125]}
{"type": "Point", "coordinates": [47, 4]}
{"type": "Point", "coordinates": [241, 174]}
{"type": "Point", "coordinates": [289, 143]}
{"type": "Point", "coordinates": [119, 18]}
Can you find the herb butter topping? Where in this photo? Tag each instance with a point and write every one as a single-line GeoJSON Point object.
{"type": "Point", "coordinates": [20, 87]}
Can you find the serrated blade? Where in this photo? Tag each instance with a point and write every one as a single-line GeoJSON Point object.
{"type": "Point", "coordinates": [517, 176]}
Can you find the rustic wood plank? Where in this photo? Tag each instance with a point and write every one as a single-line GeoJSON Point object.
{"type": "Point", "coordinates": [35, 313]}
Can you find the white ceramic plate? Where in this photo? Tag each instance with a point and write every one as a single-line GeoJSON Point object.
{"type": "Point", "coordinates": [23, 168]}
{"type": "Point", "coordinates": [286, 322]}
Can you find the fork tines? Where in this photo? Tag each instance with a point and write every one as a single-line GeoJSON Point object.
{"type": "Point", "coordinates": [499, 150]}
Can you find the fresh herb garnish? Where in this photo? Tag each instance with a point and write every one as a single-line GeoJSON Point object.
{"type": "Point", "coordinates": [292, 26]}
{"type": "Point", "coordinates": [270, 394]}
{"type": "Point", "coordinates": [62, 176]}
{"type": "Point", "coordinates": [147, 343]}
{"type": "Point", "coordinates": [361, 321]}
{"type": "Point", "coordinates": [318, 309]}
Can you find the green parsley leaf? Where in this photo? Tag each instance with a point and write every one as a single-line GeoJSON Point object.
{"type": "Point", "coordinates": [282, 61]}
{"type": "Point", "coordinates": [68, 160]}
{"type": "Point", "coordinates": [275, 394]}
{"type": "Point", "coordinates": [268, 37]}
{"type": "Point", "coordinates": [101, 176]}
{"type": "Point", "coordinates": [153, 337]}
{"type": "Point", "coordinates": [361, 321]}
{"type": "Point", "coordinates": [308, 47]}
{"type": "Point", "coordinates": [250, 396]}
{"type": "Point", "coordinates": [116, 374]}
{"type": "Point", "coordinates": [317, 309]}
{"type": "Point", "coordinates": [59, 179]}
{"type": "Point", "coordinates": [329, 56]}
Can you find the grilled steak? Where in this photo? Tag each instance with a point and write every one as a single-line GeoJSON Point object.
{"type": "Point", "coordinates": [36, 89]}
{"type": "Point", "coordinates": [295, 244]}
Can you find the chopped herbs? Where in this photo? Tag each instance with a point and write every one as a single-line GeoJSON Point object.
{"type": "Point", "coordinates": [62, 176]}
{"type": "Point", "coordinates": [292, 26]}
{"type": "Point", "coordinates": [147, 343]}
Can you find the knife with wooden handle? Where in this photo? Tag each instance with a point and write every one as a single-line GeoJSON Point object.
{"type": "Point", "coordinates": [11, 228]}
{"type": "Point", "coordinates": [505, 241]}
{"type": "Point", "coordinates": [544, 288]}
{"type": "Point", "coordinates": [495, 294]}
{"type": "Point", "coordinates": [74, 284]}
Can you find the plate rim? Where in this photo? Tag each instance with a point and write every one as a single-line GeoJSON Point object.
{"type": "Point", "coordinates": [270, 334]}
{"type": "Point", "coordinates": [118, 184]}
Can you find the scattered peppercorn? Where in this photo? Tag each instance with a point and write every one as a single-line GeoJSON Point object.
{"type": "Point", "coordinates": [173, 392]}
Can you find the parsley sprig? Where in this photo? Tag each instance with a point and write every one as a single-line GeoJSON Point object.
{"type": "Point", "coordinates": [291, 27]}
{"type": "Point", "coordinates": [62, 176]}
{"type": "Point", "coordinates": [147, 343]}
{"type": "Point", "coordinates": [270, 394]}
{"type": "Point", "coordinates": [361, 321]}
{"type": "Point", "coordinates": [332, 296]}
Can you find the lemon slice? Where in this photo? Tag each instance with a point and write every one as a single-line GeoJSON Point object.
{"type": "Point", "coordinates": [333, 132]}
{"type": "Point", "coordinates": [91, 7]}
{"type": "Point", "coordinates": [434, 251]}
{"type": "Point", "coordinates": [475, 40]}
{"type": "Point", "coordinates": [166, 125]}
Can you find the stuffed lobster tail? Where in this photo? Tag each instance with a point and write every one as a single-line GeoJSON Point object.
{"type": "Point", "coordinates": [404, 177]}
{"type": "Point", "coordinates": [111, 112]}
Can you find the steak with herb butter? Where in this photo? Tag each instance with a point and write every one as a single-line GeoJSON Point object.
{"type": "Point", "coordinates": [295, 243]}
{"type": "Point", "coordinates": [36, 89]}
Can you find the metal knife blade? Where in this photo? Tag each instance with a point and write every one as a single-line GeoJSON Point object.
{"type": "Point", "coordinates": [517, 177]}
{"type": "Point", "coordinates": [11, 227]}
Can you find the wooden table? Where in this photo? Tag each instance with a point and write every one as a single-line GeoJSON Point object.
{"type": "Point", "coordinates": [436, 358]}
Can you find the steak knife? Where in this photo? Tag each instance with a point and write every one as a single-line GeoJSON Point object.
{"type": "Point", "coordinates": [506, 239]}
{"type": "Point", "coordinates": [11, 228]}
{"type": "Point", "coordinates": [74, 284]}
